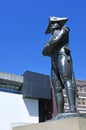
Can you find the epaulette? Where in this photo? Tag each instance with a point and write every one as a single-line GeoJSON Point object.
{"type": "Point", "coordinates": [66, 28]}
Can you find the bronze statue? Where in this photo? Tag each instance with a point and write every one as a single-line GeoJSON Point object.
{"type": "Point", "coordinates": [62, 75]}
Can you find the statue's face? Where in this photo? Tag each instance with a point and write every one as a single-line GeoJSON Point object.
{"type": "Point", "coordinates": [54, 27]}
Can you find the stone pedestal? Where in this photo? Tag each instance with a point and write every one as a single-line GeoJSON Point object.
{"type": "Point", "coordinates": [73, 123]}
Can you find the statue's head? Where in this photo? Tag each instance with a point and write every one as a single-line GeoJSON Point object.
{"type": "Point", "coordinates": [55, 23]}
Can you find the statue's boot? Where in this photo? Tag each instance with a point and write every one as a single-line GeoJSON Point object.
{"type": "Point", "coordinates": [71, 94]}
{"type": "Point", "coordinates": [59, 102]}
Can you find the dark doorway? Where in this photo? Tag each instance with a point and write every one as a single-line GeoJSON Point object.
{"type": "Point", "coordinates": [45, 110]}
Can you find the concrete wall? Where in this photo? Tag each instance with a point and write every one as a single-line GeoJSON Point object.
{"type": "Point", "coordinates": [15, 109]}
{"type": "Point", "coordinates": [11, 77]}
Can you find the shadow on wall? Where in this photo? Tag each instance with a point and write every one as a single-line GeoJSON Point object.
{"type": "Point", "coordinates": [31, 106]}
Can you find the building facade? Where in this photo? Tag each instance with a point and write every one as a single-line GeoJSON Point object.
{"type": "Point", "coordinates": [23, 98]}
{"type": "Point", "coordinates": [81, 96]}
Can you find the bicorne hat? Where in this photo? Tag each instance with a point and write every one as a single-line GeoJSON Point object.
{"type": "Point", "coordinates": [52, 20]}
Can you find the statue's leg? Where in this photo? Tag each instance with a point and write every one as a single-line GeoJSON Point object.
{"type": "Point", "coordinates": [66, 75]}
{"type": "Point", "coordinates": [57, 89]}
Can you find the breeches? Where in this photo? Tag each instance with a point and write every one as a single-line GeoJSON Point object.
{"type": "Point", "coordinates": [62, 73]}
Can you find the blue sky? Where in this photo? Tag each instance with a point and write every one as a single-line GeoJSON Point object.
{"type": "Point", "coordinates": [22, 27]}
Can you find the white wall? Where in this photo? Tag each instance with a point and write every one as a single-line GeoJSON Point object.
{"type": "Point", "coordinates": [15, 109]}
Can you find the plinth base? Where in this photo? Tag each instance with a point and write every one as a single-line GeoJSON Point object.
{"type": "Point", "coordinates": [69, 115]}
{"type": "Point", "coordinates": [73, 123]}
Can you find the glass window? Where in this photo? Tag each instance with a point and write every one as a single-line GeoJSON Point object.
{"type": "Point", "coordinates": [81, 89]}
{"type": "Point", "coordinates": [83, 101]}
{"type": "Point", "coordinates": [79, 101]}
{"type": "Point", "coordinates": [10, 88]}
{"type": "Point", "coordinates": [78, 89]}
{"type": "Point", "coordinates": [84, 88]}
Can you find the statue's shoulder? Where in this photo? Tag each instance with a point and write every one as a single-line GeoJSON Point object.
{"type": "Point", "coordinates": [66, 28]}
